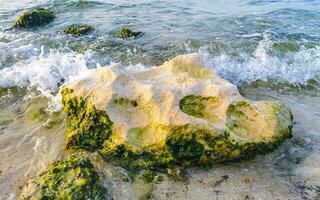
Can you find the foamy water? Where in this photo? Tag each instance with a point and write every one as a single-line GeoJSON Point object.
{"type": "Point", "coordinates": [296, 68]}
{"type": "Point", "coordinates": [48, 71]}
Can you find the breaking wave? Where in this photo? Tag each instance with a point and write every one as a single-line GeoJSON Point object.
{"type": "Point", "coordinates": [293, 68]}
{"type": "Point", "coordinates": [47, 72]}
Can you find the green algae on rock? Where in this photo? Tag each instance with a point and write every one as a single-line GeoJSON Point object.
{"type": "Point", "coordinates": [72, 179]}
{"type": "Point", "coordinates": [177, 114]}
{"type": "Point", "coordinates": [88, 127]}
{"type": "Point", "coordinates": [198, 106]}
{"type": "Point", "coordinates": [148, 176]}
{"type": "Point", "coordinates": [125, 102]}
{"type": "Point", "coordinates": [127, 33]}
{"type": "Point", "coordinates": [78, 29]}
{"type": "Point", "coordinates": [34, 18]}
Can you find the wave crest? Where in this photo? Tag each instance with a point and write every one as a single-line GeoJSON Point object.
{"type": "Point", "coordinates": [294, 67]}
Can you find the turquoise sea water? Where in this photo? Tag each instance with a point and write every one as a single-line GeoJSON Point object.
{"type": "Point", "coordinates": [269, 48]}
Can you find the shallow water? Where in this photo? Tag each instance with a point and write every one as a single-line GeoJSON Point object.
{"type": "Point", "coordinates": [270, 49]}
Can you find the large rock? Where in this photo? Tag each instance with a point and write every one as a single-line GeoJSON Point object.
{"type": "Point", "coordinates": [34, 18]}
{"type": "Point", "coordinates": [180, 113]}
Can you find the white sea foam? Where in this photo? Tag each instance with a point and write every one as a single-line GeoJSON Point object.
{"type": "Point", "coordinates": [295, 68]}
{"type": "Point", "coordinates": [44, 72]}
{"type": "Point", "coordinates": [47, 72]}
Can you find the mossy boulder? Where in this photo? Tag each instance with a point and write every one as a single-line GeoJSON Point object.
{"type": "Point", "coordinates": [34, 18]}
{"type": "Point", "coordinates": [180, 113]}
{"type": "Point", "coordinates": [127, 33]}
{"type": "Point", "coordinates": [78, 29]}
{"type": "Point", "coordinates": [74, 179]}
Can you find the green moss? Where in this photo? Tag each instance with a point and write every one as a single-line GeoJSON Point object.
{"type": "Point", "coordinates": [187, 146]}
{"type": "Point", "coordinates": [199, 106]}
{"type": "Point", "coordinates": [122, 155]}
{"type": "Point", "coordinates": [184, 145]}
{"type": "Point", "coordinates": [176, 174]}
{"type": "Point", "coordinates": [242, 116]}
{"type": "Point", "coordinates": [127, 33]}
{"type": "Point", "coordinates": [88, 127]}
{"type": "Point", "coordinates": [236, 108]}
{"type": "Point", "coordinates": [72, 179]}
{"type": "Point", "coordinates": [192, 105]}
{"type": "Point", "coordinates": [191, 145]}
{"type": "Point", "coordinates": [125, 102]}
{"type": "Point", "coordinates": [78, 29]}
{"type": "Point", "coordinates": [148, 175]}
{"type": "Point", "coordinates": [37, 17]}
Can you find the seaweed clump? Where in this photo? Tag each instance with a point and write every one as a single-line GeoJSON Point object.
{"type": "Point", "coordinates": [148, 176]}
{"type": "Point", "coordinates": [78, 29]}
{"type": "Point", "coordinates": [72, 179]}
{"type": "Point", "coordinates": [34, 18]}
{"type": "Point", "coordinates": [88, 127]}
{"type": "Point", "coordinates": [127, 33]}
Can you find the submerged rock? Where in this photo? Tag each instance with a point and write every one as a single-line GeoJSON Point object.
{"type": "Point", "coordinates": [34, 18]}
{"type": "Point", "coordinates": [4, 40]}
{"type": "Point", "coordinates": [180, 113]}
{"type": "Point", "coordinates": [78, 29]}
{"type": "Point", "coordinates": [127, 33]}
{"type": "Point", "coordinates": [74, 178]}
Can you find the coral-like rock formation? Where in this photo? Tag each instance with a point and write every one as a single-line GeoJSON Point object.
{"type": "Point", "coordinates": [34, 18]}
{"type": "Point", "coordinates": [180, 113]}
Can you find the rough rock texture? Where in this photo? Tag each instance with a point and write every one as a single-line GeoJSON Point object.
{"type": "Point", "coordinates": [78, 29]}
{"type": "Point", "coordinates": [34, 18]}
{"type": "Point", "coordinates": [127, 33]}
{"type": "Point", "coordinates": [180, 113]}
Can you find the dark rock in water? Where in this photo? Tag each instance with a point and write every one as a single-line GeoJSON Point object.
{"type": "Point", "coordinates": [34, 18]}
{"type": "Point", "coordinates": [4, 40]}
{"type": "Point", "coordinates": [78, 29]}
{"type": "Point", "coordinates": [127, 33]}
